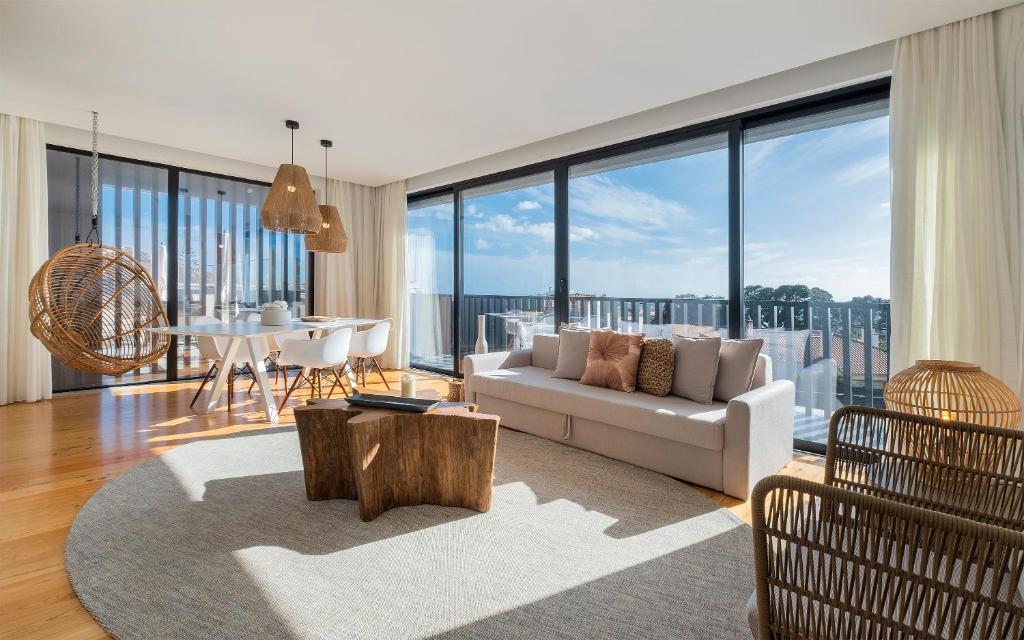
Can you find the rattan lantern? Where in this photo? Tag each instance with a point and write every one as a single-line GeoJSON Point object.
{"type": "Point", "coordinates": [290, 205]}
{"type": "Point", "coordinates": [90, 304]}
{"type": "Point", "coordinates": [955, 391]}
{"type": "Point", "coordinates": [332, 237]}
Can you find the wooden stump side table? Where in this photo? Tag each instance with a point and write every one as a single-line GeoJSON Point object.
{"type": "Point", "coordinates": [389, 459]}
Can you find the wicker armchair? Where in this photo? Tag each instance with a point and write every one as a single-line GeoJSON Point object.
{"type": "Point", "coordinates": [918, 532]}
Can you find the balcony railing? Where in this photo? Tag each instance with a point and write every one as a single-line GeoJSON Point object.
{"type": "Point", "coordinates": [837, 353]}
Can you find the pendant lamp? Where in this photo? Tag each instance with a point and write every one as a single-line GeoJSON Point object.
{"type": "Point", "coordinates": [291, 204]}
{"type": "Point", "coordinates": [332, 237]}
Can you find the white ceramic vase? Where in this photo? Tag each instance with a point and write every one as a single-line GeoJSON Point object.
{"type": "Point", "coordinates": [481, 329]}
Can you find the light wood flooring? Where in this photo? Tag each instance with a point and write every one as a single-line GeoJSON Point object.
{"type": "Point", "coordinates": [55, 454]}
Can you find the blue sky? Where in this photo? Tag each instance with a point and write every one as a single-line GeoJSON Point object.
{"type": "Point", "coordinates": [816, 212]}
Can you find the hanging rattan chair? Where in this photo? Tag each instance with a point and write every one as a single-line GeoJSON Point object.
{"type": "Point", "coordinates": [90, 305]}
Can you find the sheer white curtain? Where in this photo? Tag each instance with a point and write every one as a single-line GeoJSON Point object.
{"type": "Point", "coordinates": [955, 234]}
{"type": "Point", "coordinates": [1009, 30]}
{"type": "Point", "coordinates": [334, 276]}
{"type": "Point", "coordinates": [369, 280]}
{"type": "Point", "coordinates": [25, 373]}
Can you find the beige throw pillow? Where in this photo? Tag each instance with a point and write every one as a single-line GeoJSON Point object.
{"type": "Point", "coordinates": [657, 364]}
{"type": "Point", "coordinates": [696, 368]}
{"type": "Point", "coordinates": [736, 362]}
{"type": "Point", "coordinates": [573, 345]}
{"type": "Point", "coordinates": [613, 359]}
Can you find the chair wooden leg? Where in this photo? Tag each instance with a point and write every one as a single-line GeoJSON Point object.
{"type": "Point", "coordinates": [298, 377]}
{"type": "Point", "coordinates": [283, 371]}
{"type": "Point", "coordinates": [231, 385]}
{"type": "Point", "coordinates": [381, 372]}
{"type": "Point", "coordinates": [209, 374]}
{"type": "Point", "coordinates": [338, 376]}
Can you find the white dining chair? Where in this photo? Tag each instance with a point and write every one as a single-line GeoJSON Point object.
{"type": "Point", "coordinates": [274, 350]}
{"type": "Point", "coordinates": [367, 345]}
{"type": "Point", "coordinates": [314, 357]}
{"type": "Point", "coordinates": [213, 349]}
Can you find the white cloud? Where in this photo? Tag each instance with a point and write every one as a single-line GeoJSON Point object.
{"type": "Point", "coordinates": [472, 211]}
{"type": "Point", "coordinates": [527, 205]}
{"type": "Point", "coordinates": [761, 151]}
{"type": "Point", "coordinates": [502, 223]}
{"type": "Point", "coordinates": [864, 169]}
{"type": "Point", "coordinates": [602, 197]}
{"type": "Point", "coordinates": [505, 224]}
{"type": "Point", "coordinates": [482, 244]}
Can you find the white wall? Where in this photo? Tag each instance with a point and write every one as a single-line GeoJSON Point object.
{"type": "Point", "coordinates": [851, 68]}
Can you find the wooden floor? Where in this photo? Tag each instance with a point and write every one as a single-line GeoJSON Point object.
{"type": "Point", "coordinates": [55, 454]}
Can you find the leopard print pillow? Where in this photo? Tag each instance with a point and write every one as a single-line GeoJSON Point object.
{"type": "Point", "coordinates": [657, 364]}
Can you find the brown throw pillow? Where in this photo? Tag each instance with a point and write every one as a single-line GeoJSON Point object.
{"type": "Point", "coordinates": [696, 368]}
{"type": "Point", "coordinates": [612, 360]}
{"type": "Point", "coordinates": [736, 362]}
{"type": "Point", "coordinates": [573, 345]}
{"type": "Point", "coordinates": [657, 363]}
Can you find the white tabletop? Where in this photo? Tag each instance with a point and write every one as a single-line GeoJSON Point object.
{"type": "Point", "coordinates": [252, 329]}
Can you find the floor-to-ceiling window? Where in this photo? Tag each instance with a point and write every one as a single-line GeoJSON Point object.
{"type": "Point", "coordinates": [771, 224]}
{"type": "Point", "coordinates": [816, 256]}
{"type": "Point", "coordinates": [429, 258]}
{"type": "Point", "coordinates": [132, 217]}
{"type": "Point", "coordinates": [225, 266]}
{"type": "Point", "coordinates": [509, 260]}
{"type": "Point", "coordinates": [649, 240]}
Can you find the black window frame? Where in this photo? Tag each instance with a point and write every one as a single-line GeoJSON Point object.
{"type": "Point", "coordinates": [733, 126]}
{"type": "Point", "coordinates": [173, 226]}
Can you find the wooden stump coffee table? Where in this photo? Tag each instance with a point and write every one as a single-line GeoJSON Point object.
{"type": "Point", "coordinates": [386, 458]}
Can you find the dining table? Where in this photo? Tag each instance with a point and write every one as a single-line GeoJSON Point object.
{"type": "Point", "coordinates": [245, 335]}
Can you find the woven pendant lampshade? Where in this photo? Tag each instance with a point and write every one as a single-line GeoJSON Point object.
{"type": "Point", "coordinates": [955, 391]}
{"type": "Point", "coordinates": [291, 204]}
{"type": "Point", "coordinates": [332, 237]}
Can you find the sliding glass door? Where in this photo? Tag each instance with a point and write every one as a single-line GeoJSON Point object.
{"type": "Point", "coordinates": [132, 216]}
{"type": "Point", "coordinates": [771, 224]}
{"type": "Point", "coordinates": [508, 243]}
{"type": "Point", "coordinates": [816, 256]}
{"type": "Point", "coordinates": [205, 249]}
{"type": "Point", "coordinates": [648, 240]}
{"type": "Point", "coordinates": [430, 264]}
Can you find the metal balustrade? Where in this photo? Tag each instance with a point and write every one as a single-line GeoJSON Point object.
{"type": "Point", "coordinates": [837, 353]}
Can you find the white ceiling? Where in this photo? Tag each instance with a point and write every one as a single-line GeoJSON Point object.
{"type": "Point", "coordinates": [406, 87]}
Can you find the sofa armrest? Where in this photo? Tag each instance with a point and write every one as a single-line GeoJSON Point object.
{"type": "Point", "coordinates": [484, 362]}
{"type": "Point", "coordinates": [758, 436]}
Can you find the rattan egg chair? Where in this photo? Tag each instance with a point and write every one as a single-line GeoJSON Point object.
{"type": "Point", "coordinates": [90, 305]}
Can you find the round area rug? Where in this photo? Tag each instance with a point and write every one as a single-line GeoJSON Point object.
{"type": "Point", "coordinates": [216, 539]}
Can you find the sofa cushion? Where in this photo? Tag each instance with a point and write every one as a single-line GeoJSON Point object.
{"type": "Point", "coordinates": [696, 368]}
{"type": "Point", "coordinates": [545, 350]}
{"type": "Point", "coordinates": [670, 417]}
{"type": "Point", "coordinates": [573, 345]}
{"type": "Point", "coordinates": [736, 362]}
{"type": "Point", "coordinates": [657, 364]}
{"type": "Point", "coordinates": [612, 360]}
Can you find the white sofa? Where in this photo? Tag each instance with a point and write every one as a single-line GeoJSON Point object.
{"type": "Point", "coordinates": [725, 446]}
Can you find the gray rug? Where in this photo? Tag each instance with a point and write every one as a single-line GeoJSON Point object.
{"type": "Point", "coordinates": [215, 539]}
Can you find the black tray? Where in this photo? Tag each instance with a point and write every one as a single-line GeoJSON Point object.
{"type": "Point", "coordinates": [392, 402]}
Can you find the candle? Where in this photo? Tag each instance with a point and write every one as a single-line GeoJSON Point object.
{"type": "Point", "coordinates": [408, 386]}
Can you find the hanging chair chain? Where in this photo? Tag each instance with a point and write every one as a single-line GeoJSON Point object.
{"type": "Point", "coordinates": [93, 233]}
